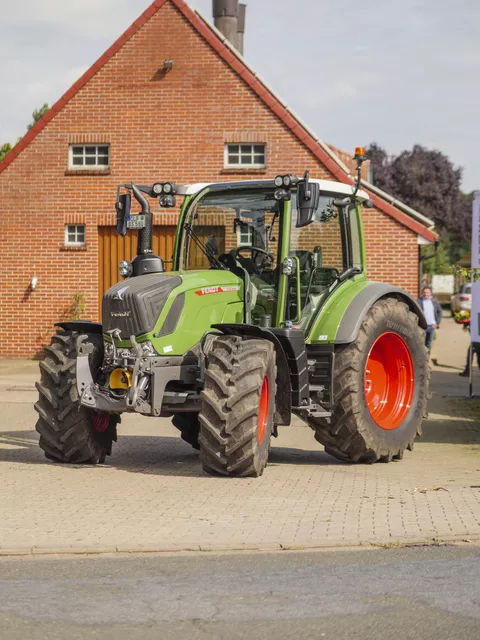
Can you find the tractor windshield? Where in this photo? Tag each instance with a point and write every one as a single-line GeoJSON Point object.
{"type": "Point", "coordinates": [237, 229]}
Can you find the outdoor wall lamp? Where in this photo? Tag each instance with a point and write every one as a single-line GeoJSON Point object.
{"type": "Point", "coordinates": [167, 65]}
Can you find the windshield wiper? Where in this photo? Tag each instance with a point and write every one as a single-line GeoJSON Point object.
{"type": "Point", "coordinates": [204, 248]}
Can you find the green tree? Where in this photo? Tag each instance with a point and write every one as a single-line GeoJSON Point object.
{"type": "Point", "coordinates": [37, 114]}
{"type": "Point", "coordinates": [4, 150]}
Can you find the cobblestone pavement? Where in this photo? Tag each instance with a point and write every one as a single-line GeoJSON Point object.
{"type": "Point", "coordinates": [153, 495]}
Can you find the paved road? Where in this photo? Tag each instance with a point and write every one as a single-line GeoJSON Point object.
{"type": "Point", "coordinates": [153, 495]}
{"type": "Point", "coordinates": [414, 594]}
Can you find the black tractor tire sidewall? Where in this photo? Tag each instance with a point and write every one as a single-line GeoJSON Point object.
{"type": "Point", "coordinates": [239, 376]}
{"type": "Point", "coordinates": [62, 443]}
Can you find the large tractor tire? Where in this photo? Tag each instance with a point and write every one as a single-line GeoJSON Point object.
{"type": "Point", "coordinates": [70, 432]}
{"type": "Point", "coordinates": [189, 426]}
{"type": "Point", "coordinates": [380, 388]}
{"type": "Point", "coordinates": [236, 417]}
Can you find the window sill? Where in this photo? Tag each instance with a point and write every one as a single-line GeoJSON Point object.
{"type": "Point", "coordinates": [87, 172]}
{"type": "Point", "coordinates": [73, 247]}
{"type": "Point", "coordinates": [257, 170]}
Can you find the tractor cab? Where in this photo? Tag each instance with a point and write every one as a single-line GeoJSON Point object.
{"type": "Point", "coordinates": [289, 250]}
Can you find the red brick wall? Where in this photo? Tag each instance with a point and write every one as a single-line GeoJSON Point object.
{"type": "Point", "coordinates": [170, 126]}
{"type": "Point", "coordinates": [392, 251]}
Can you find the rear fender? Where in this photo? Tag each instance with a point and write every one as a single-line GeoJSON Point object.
{"type": "Point", "coordinates": [283, 399]}
{"type": "Point", "coordinates": [363, 301]}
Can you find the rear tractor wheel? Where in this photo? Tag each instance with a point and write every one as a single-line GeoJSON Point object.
{"type": "Point", "coordinates": [380, 388]}
{"type": "Point", "coordinates": [70, 432]}
{"type": "Point", "coordinates": [188, 425]}
{"type": "Point", "coordinates": [236, 417]}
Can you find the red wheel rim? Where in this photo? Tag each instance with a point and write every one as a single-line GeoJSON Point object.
{"type": "Point", "coordinates": [100, 421]}
{"type": "Point", "coordinates": [263, 411]}
{"type": "Point", "coordinates": [389, 381]}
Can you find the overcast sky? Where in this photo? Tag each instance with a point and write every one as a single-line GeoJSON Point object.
{"type": "Point", "coordinates": [398, 72]}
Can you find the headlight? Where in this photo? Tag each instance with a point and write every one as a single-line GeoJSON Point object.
{"type": "Point", "coordinates": [148, 349]}
{"type": "Point", "coordinates": [287, 181]}
{"type": "Point", "coordinates": [125, 269]}
{"type": "Point", "coordinates": [108, 349]}
{"type": "Point", "coordinates": [167, 188]}
{"type": "Point", "coordinates": [279, 181]}
{"type": "Point", "coordinates": [157, 188]}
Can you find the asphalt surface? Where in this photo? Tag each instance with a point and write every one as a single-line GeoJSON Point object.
{"type": "Point", "coordinates": [406, 593]}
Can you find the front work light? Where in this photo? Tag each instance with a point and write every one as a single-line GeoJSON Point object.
{"type": "Point", "coordinates": [279, 181]}
{"type": "Point", "coordinates": [125, 269]}
{"type": "Point", "coordinates": [282, 194]}
{"type": "Point", "coordinates": [289, 266]}
{"type": "Point", "coordinates": [157, 188]}
{"type": "Point", "coordinates": [167, 201]}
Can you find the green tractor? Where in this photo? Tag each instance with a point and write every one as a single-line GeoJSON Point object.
{"type": "Point", "coordinates": [267, 313]}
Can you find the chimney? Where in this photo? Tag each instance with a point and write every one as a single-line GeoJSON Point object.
{"type": "Point", "coordinates": [242, 9]}
{"type": "Point", "coordinates": [229, 18]}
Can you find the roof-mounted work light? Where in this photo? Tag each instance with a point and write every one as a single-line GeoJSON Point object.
{"type": "Point", "coordinates": [168, 188]}
{"type": "Point", "coordinates": [288, 181]}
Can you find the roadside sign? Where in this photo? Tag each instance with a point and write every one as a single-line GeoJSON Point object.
{"type": "Point", "coordinates": [475, 312]}
{"type": "Point", "coordinates": [476, 231]}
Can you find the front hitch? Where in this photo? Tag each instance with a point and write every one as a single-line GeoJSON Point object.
{"type": "Point", "coordinates": [90, 394]}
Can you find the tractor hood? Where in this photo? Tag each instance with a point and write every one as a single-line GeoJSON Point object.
{"type": "Point", "coordinates": [133, 305]}
{"type": "Point", "coordinates": [172, 309]}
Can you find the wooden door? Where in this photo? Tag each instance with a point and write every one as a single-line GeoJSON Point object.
{"type": "Point", "coordinates": [112, 248]}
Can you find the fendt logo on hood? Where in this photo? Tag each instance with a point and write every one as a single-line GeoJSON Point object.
{"type": "Point", "coordinates": [208, 290]}
{"type": "Point", "coordinates": [120, 292]}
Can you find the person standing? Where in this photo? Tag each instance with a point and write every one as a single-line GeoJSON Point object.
{"type": "Point", "coordinates": [433, 315]}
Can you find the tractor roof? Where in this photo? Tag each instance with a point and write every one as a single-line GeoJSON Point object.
{"type": "Point", "coordinates": [329, 186]}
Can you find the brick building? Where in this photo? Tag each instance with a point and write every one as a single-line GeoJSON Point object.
{"type": "Point", "coordinates": [171, 100]}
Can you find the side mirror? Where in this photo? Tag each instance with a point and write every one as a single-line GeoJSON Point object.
{"type": "Point", "coordinates": [123, 211]}
{"type": "Point", "coordinates": [308, 197]}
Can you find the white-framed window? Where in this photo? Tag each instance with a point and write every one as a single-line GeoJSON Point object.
{"type": "Point", "coordinates": [75, 234]}
{"type": "Point", "coordinates": [244, 235]}
{"type": "Point", "coordinates": [243, 155]}
{"type": "Point", "coordinates": [89, 156]}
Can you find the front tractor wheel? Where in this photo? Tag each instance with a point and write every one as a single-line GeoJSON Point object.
{"type": "Point", "coordinates": [70, 432]}
{"type": "Point", "coordinates": [380, 388]}
{"type": "Point", "coordinates": [236, 417]}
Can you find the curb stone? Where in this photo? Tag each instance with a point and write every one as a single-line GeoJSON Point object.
{"type": "Point", "coordinates": [212, 548]}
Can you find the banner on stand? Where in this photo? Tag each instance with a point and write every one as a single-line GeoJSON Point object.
{"type": "Point", "coordinates": [475, 313]}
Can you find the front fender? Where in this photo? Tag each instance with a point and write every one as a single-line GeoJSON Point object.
{"type": "Point", "coordinates": [82, 326]}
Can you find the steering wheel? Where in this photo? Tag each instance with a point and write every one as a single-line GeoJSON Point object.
{"type": "Point", "coordinates": [253, 250]}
